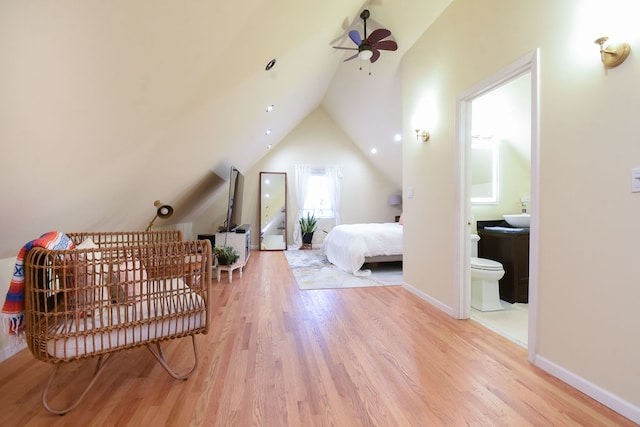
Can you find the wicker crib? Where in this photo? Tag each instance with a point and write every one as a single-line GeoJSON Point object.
{"type": "Point", "coordinates": [115, 291]}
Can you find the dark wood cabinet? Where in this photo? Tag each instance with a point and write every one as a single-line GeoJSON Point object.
{"type": "Point", "coordinates": [511, 249]}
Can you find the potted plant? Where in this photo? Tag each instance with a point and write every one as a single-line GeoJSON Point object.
{"type": "Point", "coordinates": [307, 227]}
{"type": "Point", "coordinates": [226, 255]}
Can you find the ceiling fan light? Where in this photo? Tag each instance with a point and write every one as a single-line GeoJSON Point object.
{"type": "Point", "coordinates": [365, 54]}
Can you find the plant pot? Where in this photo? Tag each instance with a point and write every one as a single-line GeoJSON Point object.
{"type": "Point", "coordinates": [226, 255]}
{"type": "Point", "coordinates": [225, 261]}
{"type": "Point", "coordinates": [307, 238]}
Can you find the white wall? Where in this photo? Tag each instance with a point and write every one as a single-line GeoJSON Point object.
{"type": "Point", "coordinates": [317, 140]}
{"type": "Point", "coordinates": [588, 228]}
{"type": "Point", "coordinates": [123, 103]}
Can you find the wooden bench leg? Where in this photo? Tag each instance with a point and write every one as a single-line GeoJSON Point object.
{"type": "Point", "coordinates": [159, 354]}
{"type": "Point", "coordinates": [102, 362]}
{"type": "Point", "coordinates": [229, 270]}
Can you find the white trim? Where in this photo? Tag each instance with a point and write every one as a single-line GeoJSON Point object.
{"type": "Point", "coordinates": [462, 266]}
{"type": "Point", "coordinates": [621, 406]}
{"type": "Point", "coordinates": [462, 284]}
{"type": "Point", "coordinates": [11, 350]}
{"type": "Point", "coordinates": [534, 236]}
{"type": "Point", "coordinates": [429, 299]}
{"type": "Point", "coordinates": [601, 395]}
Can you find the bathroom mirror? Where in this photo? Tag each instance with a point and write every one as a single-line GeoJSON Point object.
{"type": "Point", "coordinates": [273, 211]}
{"type": "Point", "coordinates": [484, 172]}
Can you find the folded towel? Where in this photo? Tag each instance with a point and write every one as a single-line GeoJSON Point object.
{"type": "Point", "coordinates": [13, 308]}
{"type": "Point", "coordinates": [505, 229]}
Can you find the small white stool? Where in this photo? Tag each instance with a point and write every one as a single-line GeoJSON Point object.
{"type": "Point", "coordinates": [229, 269]}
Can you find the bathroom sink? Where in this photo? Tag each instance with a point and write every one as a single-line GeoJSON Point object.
{"type": "Point", "coordinates": [518, 220]}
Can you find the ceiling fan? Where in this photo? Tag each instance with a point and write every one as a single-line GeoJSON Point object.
{"type": "Point", "coordinates": [370, 46]}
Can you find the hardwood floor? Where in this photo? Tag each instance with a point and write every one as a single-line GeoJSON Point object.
{"type": "Point", "coordinates": [278, 356]}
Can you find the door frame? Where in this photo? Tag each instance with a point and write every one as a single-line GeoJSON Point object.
{"type": "Point", "coordinates": [462, 291]}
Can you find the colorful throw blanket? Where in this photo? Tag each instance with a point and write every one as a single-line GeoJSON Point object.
{"type": "Point", "coordinates": [13, 308]}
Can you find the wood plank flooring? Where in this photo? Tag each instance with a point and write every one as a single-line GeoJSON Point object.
{"type": "Point", "coordinates": [278, 356]}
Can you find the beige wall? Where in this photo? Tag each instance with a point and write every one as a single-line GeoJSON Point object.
{"type": "Point", "coordinates": [588, 228]}
{"type": "Point", "coordinates": [319, 141]}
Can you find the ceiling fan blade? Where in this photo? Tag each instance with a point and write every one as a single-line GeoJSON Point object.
{"type": "Point", "coordinates": [352, 57]}
{"type": "Point", "coordinates": [378, 35]}
{"type": "Point", "coordinates": [375, 56]}
{"type": "Point", "coordinates": [345, 48]}
{"type": "Point", "coordinates": [386, 45]}
{"type": "Point", "coordinates": [355, 36]}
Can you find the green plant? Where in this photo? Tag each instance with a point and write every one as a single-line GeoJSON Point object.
{"type": "Point", "coordinates": [308, 224]}
{"type": "Point", "coordinates": [226, 255]}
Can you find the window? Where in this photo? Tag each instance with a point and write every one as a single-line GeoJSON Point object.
{"type": "Point", "coordinates": [318, 201]}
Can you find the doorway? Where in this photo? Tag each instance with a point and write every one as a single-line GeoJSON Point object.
{"type": "Point", "coordinates": [466, 224]}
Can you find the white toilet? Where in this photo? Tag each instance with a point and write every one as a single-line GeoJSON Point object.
{"type": "Point", "coordinates": [485, 273]}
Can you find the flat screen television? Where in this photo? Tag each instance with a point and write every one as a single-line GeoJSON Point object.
{"type": "Point", "coordinates": [234, 207]}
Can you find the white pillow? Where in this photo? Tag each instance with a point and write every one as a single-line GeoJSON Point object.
{"type": "Point", "coordinates": [93, 272]}
{"type": "Point", "coordinates": [87, 243]}
{"type": "Point", "coordinates": [134, 277]}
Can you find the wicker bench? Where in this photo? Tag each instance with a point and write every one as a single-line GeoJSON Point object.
{"type": "Point", "coordinates": [114, 292]}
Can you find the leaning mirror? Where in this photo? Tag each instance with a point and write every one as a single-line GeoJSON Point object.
{"type": "Point", "coordinates": [273, 211]}
{"type": "Point", "coordinates": [484, 172]}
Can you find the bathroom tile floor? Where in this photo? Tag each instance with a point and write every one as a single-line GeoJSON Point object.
{"type": "Point", "coordinates": [512, 322]}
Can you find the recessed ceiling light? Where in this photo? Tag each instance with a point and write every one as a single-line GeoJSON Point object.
{"type": "Point", "coordinates": [269, 146]}
{"type": "Point", "coordinates": [397, 137]}
{"type": "Point", "coordinates": [374, 150]}
{"type": "Point", "coordinates": [267, 132]}
{"type": "Point", "coordinates": [270, 107]}
{"type": "Point", "coordinates": [270, 64]}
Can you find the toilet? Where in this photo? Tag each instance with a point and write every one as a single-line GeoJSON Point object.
{"type": "Point", "coordinates": [485, 273]}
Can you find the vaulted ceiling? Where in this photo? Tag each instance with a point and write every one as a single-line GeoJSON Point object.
{"type": "Point", "coordinates": [107, 106]}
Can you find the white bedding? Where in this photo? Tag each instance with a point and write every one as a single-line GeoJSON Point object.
{"type": "Point", "coordinates": [348, 245]}
{"type": "Point", "coordinates": [112, 327]}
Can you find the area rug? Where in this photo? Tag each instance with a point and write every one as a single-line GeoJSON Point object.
{"type": "Point", "coordinates": [312, 270]}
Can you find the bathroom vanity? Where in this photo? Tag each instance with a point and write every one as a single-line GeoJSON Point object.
{"type": "Point", "coordinates": [511, 248]}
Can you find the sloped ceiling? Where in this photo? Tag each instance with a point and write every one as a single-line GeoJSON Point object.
{"type": "Point", "coordinates": [108, 106]}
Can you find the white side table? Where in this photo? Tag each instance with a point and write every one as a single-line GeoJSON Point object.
{"type": "Point", "coordinates": [229, 269]}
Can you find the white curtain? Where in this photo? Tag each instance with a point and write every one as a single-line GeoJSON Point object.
{"type": "Point", "coordinates": [302, 178]}
{"type": "Point", "coordinates": [303, 172]}
{"type": "Point", "coordinates": [333, 179]}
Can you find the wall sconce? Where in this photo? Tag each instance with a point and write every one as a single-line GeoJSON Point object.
{"type": "Point", "coordinates": [422, 135]}
{"type": "Point", "coordinates": [162, 211]}
{"type": "Point", "coordinates": [614, 54]}
{"type": "Point", "coordinates": [395, 200]}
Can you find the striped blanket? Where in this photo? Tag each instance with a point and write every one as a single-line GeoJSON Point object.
{"type": "Point", "coordinates": [13, 308]}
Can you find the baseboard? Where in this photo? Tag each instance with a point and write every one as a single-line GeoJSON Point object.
{"type": "Point", "coordinates": [10, 350]}
{"type": "Point", "coordinates": [603, 396]}
{"type": "Point", "coordinates": [434, 302]}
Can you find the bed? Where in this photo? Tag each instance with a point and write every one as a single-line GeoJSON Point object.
{"type": "Point", "coordinates": [350, 246]}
